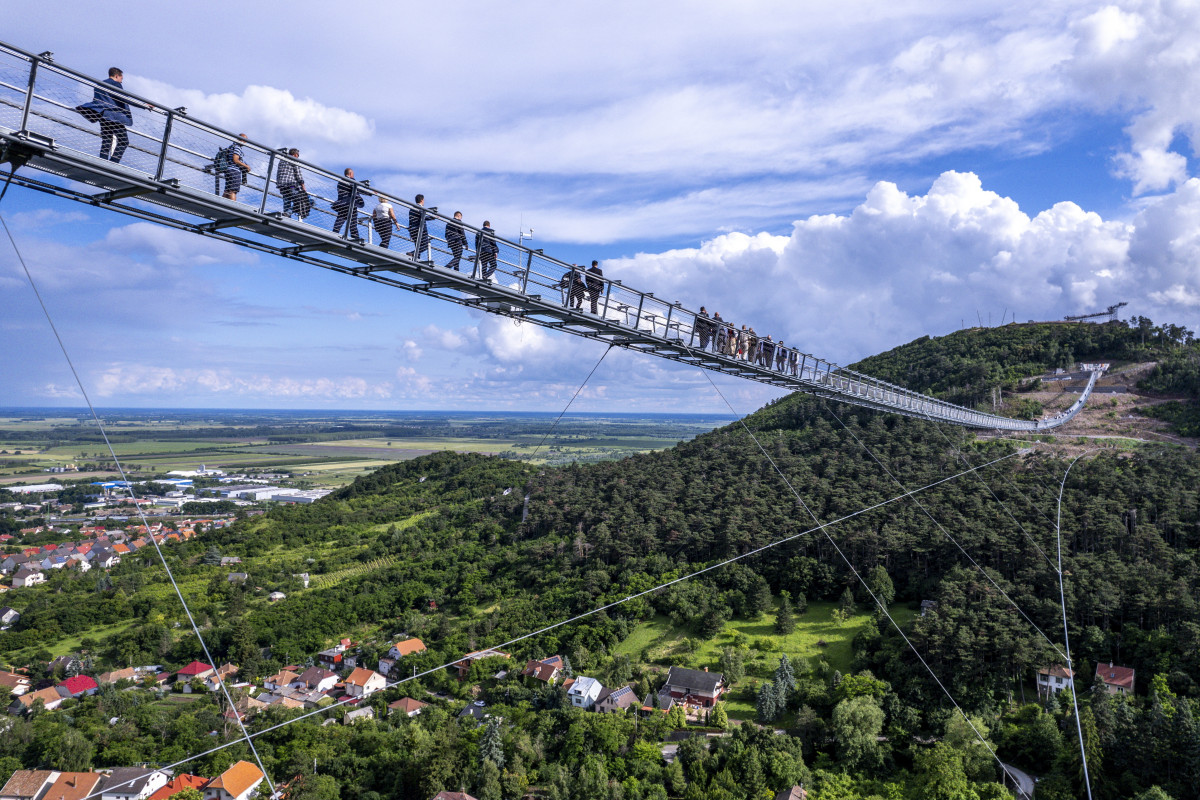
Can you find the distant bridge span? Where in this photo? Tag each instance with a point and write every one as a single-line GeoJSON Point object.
{"type": "Point", "coordinates": [166, 177]}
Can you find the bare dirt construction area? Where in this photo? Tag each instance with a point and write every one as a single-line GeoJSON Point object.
{"type": "Point", "coordinates": [1110, 419]}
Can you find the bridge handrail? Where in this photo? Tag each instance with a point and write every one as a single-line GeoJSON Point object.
{"type": "Point", "coordinates": [185, 146]}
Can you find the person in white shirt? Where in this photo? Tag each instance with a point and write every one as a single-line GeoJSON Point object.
{"type": "Point", "coordinates": [383, 218]}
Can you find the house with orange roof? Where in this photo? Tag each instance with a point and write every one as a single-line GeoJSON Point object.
{"type": "Point", "coordinates": [236, 783]}
{"type": "Point", "coordinates": [363, 682]}
{"type": "Point", "coordinates": [72, 786]}
{"type": "Point", "coordinates": [49, 697]}
{"type": "Point", "coordinates": [406, 706]}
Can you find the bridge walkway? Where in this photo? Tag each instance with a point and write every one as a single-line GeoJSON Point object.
{"type": "Point", "coordinates": [166, 177]}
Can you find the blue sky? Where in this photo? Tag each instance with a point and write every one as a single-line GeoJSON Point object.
{"type": "Point", "coordinates": [847, 177]}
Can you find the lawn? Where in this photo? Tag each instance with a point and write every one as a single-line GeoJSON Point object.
{"type": "Point", "coordinates": [816, 637]}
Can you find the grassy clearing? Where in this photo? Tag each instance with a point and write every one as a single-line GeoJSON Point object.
{"type": "Point", "coordinates": [815, 638]}
{"type": "Point", "coordinates": [403, 524]}
{"type": "Point", "coordinates": [73, 644]}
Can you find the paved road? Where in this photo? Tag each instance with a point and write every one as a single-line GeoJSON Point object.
{"type": "Point", "coordinates": [1024, 779]}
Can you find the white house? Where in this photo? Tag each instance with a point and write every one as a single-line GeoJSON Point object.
{"type": "Point", "coordinates": [584, 691]}
{"type": "Point", "coordinates": [28, 577]}
{"type": "Point", "coordinates": [236, 783]}
{"type": "Point", "coordinates": [132, 783]}
{"type": "Point", "coordinates": [363, 682]}
{"type": "Point", "coordinates": [1053, 679]}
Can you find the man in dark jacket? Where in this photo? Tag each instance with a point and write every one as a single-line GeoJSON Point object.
{"type": "Point", "coordinates": [703, 327]}
{"type": "Point", "coordinates": [595, 284]}
{"type": "Point", "coordinates": [456, 240]}
{"type": "Point", "coordinates": [418, 229]}
{"type": "Point", "coordinates": [350, 198]}
{"type": "Point", "coordinates": [486, 250]}
{"type": "Point", "coordinates": [112, 112]}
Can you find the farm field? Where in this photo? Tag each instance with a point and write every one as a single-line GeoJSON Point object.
{"type": "Point", "coordinates": [328, 448]}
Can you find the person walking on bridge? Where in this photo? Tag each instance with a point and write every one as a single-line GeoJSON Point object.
{"type": "Point", "coordinates": [486, 250]}
{"type": "Point", "coordinates": [595, 285]}
{"type": "Point", "coordinates": [456, 240]}
{"type": "Point", "coordinates": [349, 200]}
{"type": "Point", "coordinates": [112, 112]}
{"type": "Point", "coordinates": [383, 218]}
{"type": "Point", "coordinates": [291, 186]}
{"type": "Point", "coordinates": [418, 229]}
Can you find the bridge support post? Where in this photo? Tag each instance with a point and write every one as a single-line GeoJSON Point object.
{"type": "Point", "coordinates": [33, 66]}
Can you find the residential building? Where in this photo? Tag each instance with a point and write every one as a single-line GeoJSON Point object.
{"type": "Point", "coordinates": [16, 683]}
{"type": "Point", "coordinates": [794, 793]}
{"type": "Point", "coordinates": [407, 647]}
{"type": "Point", "coordinates": [583, 692]}
{"type": "Point", "coordinates": [363, 682]}
{"type": "Point", "coordinates": [223, 673]}
{"type": "Point", "coordinates": [27, 784]}
{"type": "Point", "coordinates": [77, 686]}
{"type": "Point", "coordinates": [452, 796]}
{"type": "Point", "coordinates": [236, 783]}
{"type": "Point", "coordinates": [545, 671]}
{"type": "Point", "coordinates": [358, 715]}
{"type": "Point", "coordinates": [126, 674]}
{"type": "Point", "coordinates": [1117, 680]}
{"type": "Point", "coordinates": [280, 680]}
{"type": "Point", "coordinates": [1053, 679]}
{"type": "Point", "coordinates": [72, 786]}
{"type": "Point", "coordinates": [476, 711]}
{"type": "Point", "coordinates": [317, 679]}
{"type": "Point", "coordinates": [463, 665]}
{"type": "Point", "coordinates": [406, 706]}
{"type": "Point", "coordinates": [28, 576]}
{"type": "Point", "coordinates": [9, 616]}
{"type": "Point", "coordinates": [197, 670]}
{"type": "Point", "coordinates": [616, 700]}
{"type": "Point", "coordinates": [177, 784]}
{"type": "Point", "coordinates": [694, 687]}
{"type": "Point", "coordinates": [50, 698]}
{"type": "Point", "coordinates": [131, 783]}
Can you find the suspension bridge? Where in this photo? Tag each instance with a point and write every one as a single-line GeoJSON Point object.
{"type": "Point", "coordinates": [166, 176]}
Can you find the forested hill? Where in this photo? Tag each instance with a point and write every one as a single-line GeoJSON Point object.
{"type": "Point", "coordinates": [469, 552]}
{"type": "Point", "coordinates": [964, 366]}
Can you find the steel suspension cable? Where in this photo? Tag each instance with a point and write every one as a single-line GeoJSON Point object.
{"type": "Point", "coordinates": [391, 684]}
{"type": "Point", "coordinates": [141, 514]}
{"type": "Point", "coordinates": [572, 400]}
{"type": "Point", "coordinates": [882, 607]}
{"type": "Point", "coordinates": [945, 532]}
{"type": "Point", "coordinates": [1066, 637]}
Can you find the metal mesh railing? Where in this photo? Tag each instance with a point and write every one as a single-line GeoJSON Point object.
{"type": "Point", "coordinates": [39, 96]}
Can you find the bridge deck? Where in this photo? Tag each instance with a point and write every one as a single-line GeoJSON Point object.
{"type": "Point", "coordinates": [166, 177]}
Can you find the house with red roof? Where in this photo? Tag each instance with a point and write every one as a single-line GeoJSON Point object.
{"type": "Point", "coordinates": [77, 686]}
{"type": "Point", "coordinates": [1117, 680]}
{"type": "Point", "coordinates": [177, 785]}
{"type": "Point", "coordinates": [197, 670]}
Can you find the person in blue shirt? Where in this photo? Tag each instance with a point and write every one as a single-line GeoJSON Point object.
{"type": "Point", "coordinates": [113, 114]}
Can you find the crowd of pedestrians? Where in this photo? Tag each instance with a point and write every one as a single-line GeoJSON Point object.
{"type": "Point", "coordinates": [110, 107]}
{"type": "Point", "coordinates": [744, 344]}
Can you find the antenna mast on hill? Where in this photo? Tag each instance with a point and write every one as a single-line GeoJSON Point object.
{"type": "Point", "coordinates": [1110, 312]}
